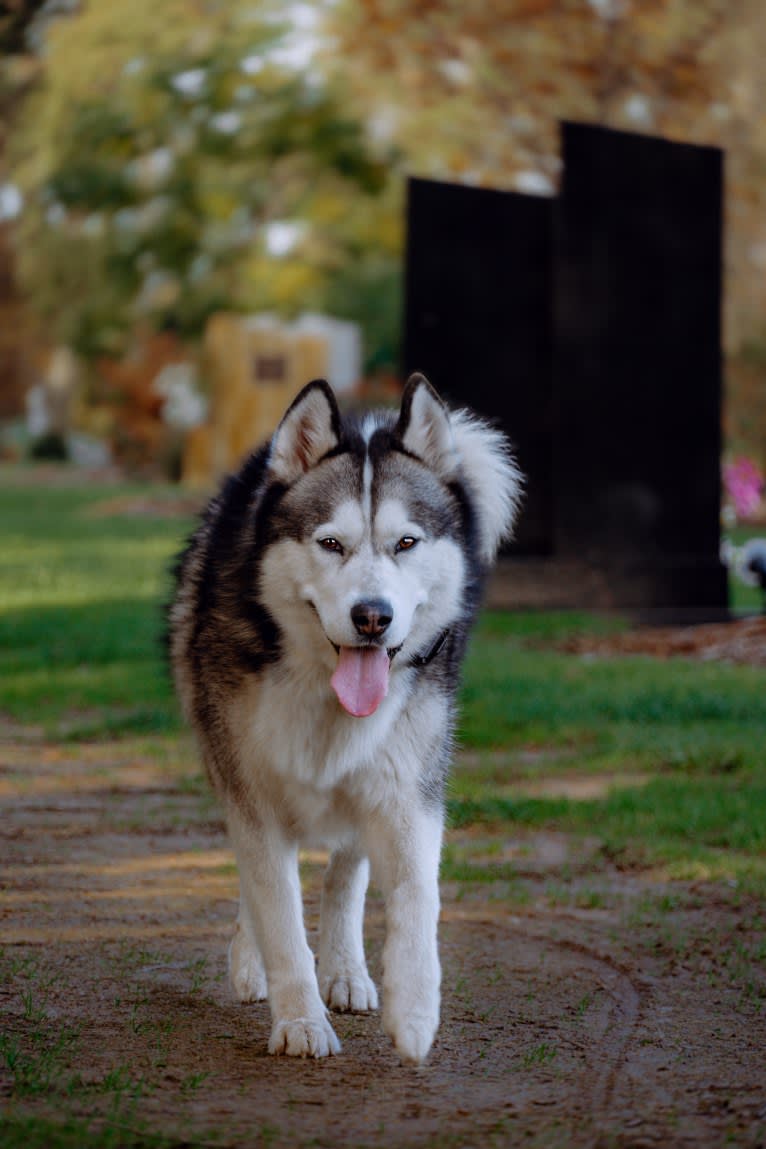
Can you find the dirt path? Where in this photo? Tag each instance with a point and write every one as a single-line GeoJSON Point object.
{"type": "Point", "coordinates": [582, 1006]}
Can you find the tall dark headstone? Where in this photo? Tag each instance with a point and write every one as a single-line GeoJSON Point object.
{"type": "Point", "coordinates": [478, 320]}
{"type": "Point", "coordinates": [637, 366]}
{"type": "Point", "coordinates": [590, 328]}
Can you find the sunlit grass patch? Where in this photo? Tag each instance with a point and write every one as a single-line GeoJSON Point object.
{"type": "Point", "coordinates": [81, 613]}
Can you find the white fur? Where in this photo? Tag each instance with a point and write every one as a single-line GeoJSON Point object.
{"type": "Point", "coordinates": [492, 475]}
{"type": "Point", "coordinates": [351, 784]}
{"type": "Point", "coordinates": [325, 777]}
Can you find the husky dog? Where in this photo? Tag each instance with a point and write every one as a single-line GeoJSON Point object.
{"type": "Point", "coordinates": [316, 635]}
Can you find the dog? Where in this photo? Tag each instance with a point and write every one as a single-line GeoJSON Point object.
{"type": "Point", "coordinates": [318, 625]}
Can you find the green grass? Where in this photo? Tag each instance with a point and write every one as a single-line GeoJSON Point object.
{"type": "Point", "coordinates": [80, 656]}
{"type": "Point", "coordinates": [26, 1132]}
{"type": "Point", "coordinates": [80, 613]}
{"type": "Point", "coordinates": [694, 731]}
{"type": "Point", "coordinates": [674, 714]}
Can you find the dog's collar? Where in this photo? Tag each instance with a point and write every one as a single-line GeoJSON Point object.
{"type": "Point", "coordinates": [421, 660]}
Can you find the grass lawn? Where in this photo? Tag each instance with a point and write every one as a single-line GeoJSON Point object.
{"type": "Point", "coordinates": [80, 658]}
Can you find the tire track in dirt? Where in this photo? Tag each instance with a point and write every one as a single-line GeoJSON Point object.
{"type": "Point", "coordinates": [620, 1024]}
{"type": "Point", "coordinates": [611, 1022]}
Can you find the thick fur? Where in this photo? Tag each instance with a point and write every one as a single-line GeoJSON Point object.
{"type": "Point", "coordinates": [406, 510]}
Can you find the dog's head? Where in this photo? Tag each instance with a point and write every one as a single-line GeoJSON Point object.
{"type": "Point", "coordinates": [378, 525]}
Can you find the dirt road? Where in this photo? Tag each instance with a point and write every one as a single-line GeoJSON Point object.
{"type": "Point", "coordinates": [582, 1005]}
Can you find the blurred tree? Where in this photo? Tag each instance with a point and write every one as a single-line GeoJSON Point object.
{"type": "Point", "coordinates": [477, 90]}
{"type": "Point", "coordinates": [177, 162]}
{"type": "Point", "coordinates": [17, 72]}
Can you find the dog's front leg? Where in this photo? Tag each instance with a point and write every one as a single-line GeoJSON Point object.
{"type": "Point", "coordinates": [270, 887]}
{"type": "Point", "coordinates": [343, 979]}
{"type": "Point", "coordinates": [404, 846]}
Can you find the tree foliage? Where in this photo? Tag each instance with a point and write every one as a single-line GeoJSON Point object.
{"type": "Point", "coordinates": [175, 163]}
{"type": "Point", "coordinates": [151, 191]}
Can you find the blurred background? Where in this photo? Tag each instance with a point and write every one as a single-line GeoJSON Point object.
{"type": "Point", "coordinates": [198, 195]}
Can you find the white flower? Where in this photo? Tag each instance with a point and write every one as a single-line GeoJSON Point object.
{"type": "Point", "coordinates": [251, 65]}
{"type": "Point", "coordinates": [295, 53]}
{"type": "Point", "coordinates": [534, 183]}
{"type": "Point", "coordinates": [610, 9]}
{"type": "Point", "coordinates": [456, 71]}
{"type": "Point", "coordinates": [11, 202]}
{"type": "Point", "coordinates": [190, 83]}
{"type": "Point", "coordinates": [282, 236]}
{"type": "Point", "coordinates": [382, 124]}
{"type": "Point", "coordinates": [227, 123]}
{"type": "Point", "coordinates": [638, 109]}
{"type": "Point", "coordinates": [152, 169]}
{"type": "Point", "coordinates": [184, 406]}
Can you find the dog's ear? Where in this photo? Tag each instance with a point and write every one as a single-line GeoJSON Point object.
{"type": "Point", "coordinates": [309, 430]}
{"type": "Point", "coordinates": [424, 427]}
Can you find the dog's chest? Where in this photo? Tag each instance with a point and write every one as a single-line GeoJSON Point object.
{"type": "Point", "coordinates": [309, 759]}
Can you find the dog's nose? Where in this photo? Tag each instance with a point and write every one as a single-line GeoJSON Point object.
{"type": "Point", "coordinates": [372, 618]}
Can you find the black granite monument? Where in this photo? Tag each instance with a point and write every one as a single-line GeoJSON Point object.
{"type": "Point", "coordinates": [589, 326]}
{"type": "Point", "coordinates": [478, 320]}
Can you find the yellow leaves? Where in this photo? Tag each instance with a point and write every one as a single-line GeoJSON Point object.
{"type": "Point", "coordinates": [279, 285]}
{"type": "Point", "coordinates": [217, 203]}
{"type": "Point", "coordinates": [329, 207]}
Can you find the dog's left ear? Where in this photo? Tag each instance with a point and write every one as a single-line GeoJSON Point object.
{"type": "Point", "coordinates": [424, 427]}
{"type": "Point", "coordinates": [309, 430]}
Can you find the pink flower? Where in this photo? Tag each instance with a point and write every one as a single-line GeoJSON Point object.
{"type": "Point", "coordinates": [744, 484]}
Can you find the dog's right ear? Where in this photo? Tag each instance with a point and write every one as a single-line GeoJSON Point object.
{"type": "Point", "coordinates": [309, 430]}
{"type": "Point", "coordinates": [424, 426]}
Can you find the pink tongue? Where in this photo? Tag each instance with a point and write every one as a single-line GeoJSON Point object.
{"type": "Point", "coordinates": [361, 679]}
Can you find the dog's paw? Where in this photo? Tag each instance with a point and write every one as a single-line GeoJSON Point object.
{"type": "Point", "coordinates": [349, 993]}
{"type": "Point", "coordinates": [304, 1037]}
{"type": "Point", "coordinates": [412, 1036]}
{"type": "Point", "coordinates": [246, 973]}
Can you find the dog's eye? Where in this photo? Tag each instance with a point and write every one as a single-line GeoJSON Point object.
{"type": "Point", "coordinates": [405, 544]}
{"type": "Point", "coordinates": [331, 544]}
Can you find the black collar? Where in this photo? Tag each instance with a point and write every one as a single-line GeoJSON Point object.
{"type": "Point", "coordinates": [421, 660]}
